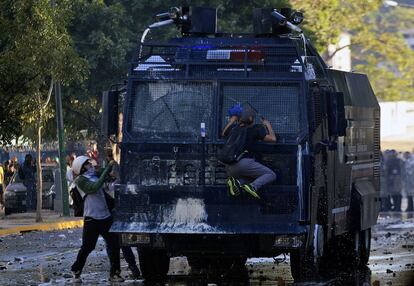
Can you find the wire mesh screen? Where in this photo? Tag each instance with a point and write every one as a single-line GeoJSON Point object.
{"type": "Point", "coordinates": [168, 110]}
{"type": "Point", "coordinates": [278, 103]}
{"type": "Point", "coordinates": [216, 59]}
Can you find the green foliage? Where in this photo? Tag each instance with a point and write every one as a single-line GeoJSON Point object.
{"type": "Point", "coordinates": [35, 47]}
{"type": "Point", "coordinates": [326, 19]}
{"type": "Point", "coordinates": [384, 55]}
{"type": "Point", "coordinates": [103, 35]}
{"type": "Point", "coordinates": [378, 48]}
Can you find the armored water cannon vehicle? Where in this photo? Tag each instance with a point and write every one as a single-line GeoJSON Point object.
{"type": "Point", "coordinates": [172, 199]}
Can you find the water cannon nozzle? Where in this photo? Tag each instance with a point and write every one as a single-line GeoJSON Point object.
{"type": "Point", "coordinates": [281, 20]}
{"type": "Point", "coordinates": [296, 17]}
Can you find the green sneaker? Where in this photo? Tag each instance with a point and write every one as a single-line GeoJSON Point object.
{"type": "Point", "coordinates": [250, 190]}
{"type": "Point", "coordinates": [233, 187]}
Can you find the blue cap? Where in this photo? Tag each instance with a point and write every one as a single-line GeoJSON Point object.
{"type": "Point", "coordinates": [235, 110]}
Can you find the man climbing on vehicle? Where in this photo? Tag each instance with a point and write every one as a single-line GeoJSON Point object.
{"type": "Point", "coordinates": [240, 152]}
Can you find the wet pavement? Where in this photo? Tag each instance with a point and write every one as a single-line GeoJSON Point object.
{"type": "Point", "coordinates": [44, 258]}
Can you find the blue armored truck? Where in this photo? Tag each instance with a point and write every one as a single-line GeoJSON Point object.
{"type": "Point", "coordinates": [172, 199]}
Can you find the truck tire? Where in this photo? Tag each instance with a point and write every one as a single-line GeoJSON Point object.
{"type": "Point", "coordinates": [364, 246]}
{"type": "Point", "coordinates": [303, 266]}
{"type": "Point", "coordinates": [198, 265]}
{"type": "Point", "coordinates": [343, 251]}
{"type": "Point", "coordinates": [154, 264]}
{"type": "Point", "coordinates": [234, 269]}
{"type": "Point", "coordinates": [309, 263]}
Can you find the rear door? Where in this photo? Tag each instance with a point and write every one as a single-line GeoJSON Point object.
{"type": "Point", "coordinates": [164, 158]}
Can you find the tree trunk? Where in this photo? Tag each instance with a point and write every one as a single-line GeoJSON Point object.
{"type": "Point", "coordinates": [39, 175]}
{"type": "Point", "coordinates": [42, 108]}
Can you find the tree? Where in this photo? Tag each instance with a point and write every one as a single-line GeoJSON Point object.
{"type": "Point", "coordinates": [36, 49]}
{"type": "Point", "coordinates": [385, 56]}
{"type": "Point", "coordinates": [103, 36]}
{"type": "Point", "coordinates": [378, 47]}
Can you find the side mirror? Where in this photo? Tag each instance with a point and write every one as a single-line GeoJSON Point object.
{"type": "Point", "coordinates": [336, 114]}
{"type": "Point", "coordinates": [110, 113]}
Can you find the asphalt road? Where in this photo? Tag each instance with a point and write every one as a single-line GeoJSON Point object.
{"type": "Point", "coordinates": [44, 258]}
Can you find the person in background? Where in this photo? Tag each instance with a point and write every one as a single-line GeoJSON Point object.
{"type": "Point", "coordinates": [14, 162]}
{"type": "Point", "coordinates": [69, 173]}
{"type": "Point", "coordinates": [27, 173]}
{"type": "Point", "coordinates": [394, 179]}
{"type": "Point", "coordinates": [97, 217]}
{"type": "Point", "coordinates": [8, 172]}
{"type": "Point", "coordinates": [73, 154]}
{"type": "Point", "coordinates": [384, 194]}
{"type": "Point", "coordinates": [1, 184]}
{"type": "Point", "coordinates": [409, 180]}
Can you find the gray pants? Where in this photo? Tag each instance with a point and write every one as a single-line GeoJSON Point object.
{"type": "Point", "coordinates": [247, 170]}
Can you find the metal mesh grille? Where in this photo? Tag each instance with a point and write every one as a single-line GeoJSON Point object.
{"type": "Point", "coordinates": [198, 61]}
{"type": "Point", "coordinates": [162, 109]}
{"type": "Point", "coordinates": [316, 97]}
{"type": "Point", "coordinates": [377, 155]}
{"type": "Point", "coordinates": [279, 103]}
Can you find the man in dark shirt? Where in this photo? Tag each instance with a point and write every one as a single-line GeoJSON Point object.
{"type": "Point", "coordinates": [394, 179]}
{"type": "Point", "coordinates": [247, 169]}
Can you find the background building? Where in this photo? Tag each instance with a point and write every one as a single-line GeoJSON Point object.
{"type": "Point", "coordinates": [397, 125]}
{"type": "Point", "coordinates": [341, 53]}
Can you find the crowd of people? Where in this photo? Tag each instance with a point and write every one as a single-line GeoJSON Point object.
{"type": "Point", "coordinates": [397, 180]}
{"type": "Point", "coordinates": [26, 172]}
{"type": "Point", "coordinates": [7, 170]}
{"type": "Point", "coordinates": [23, 164]}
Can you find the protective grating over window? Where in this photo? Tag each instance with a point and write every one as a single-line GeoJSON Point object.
{"type": "Point", "coordinates": [278, 103]}
{"type": "Point", "coordinates": [170, 109]}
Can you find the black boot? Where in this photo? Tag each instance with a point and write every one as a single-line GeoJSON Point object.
{"type": "Point", "coordinates": [396, 203]}
{"type": "Point", "coordinates": [135, 273]}
{"type": "Point", "coordinates": [385, 204]}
